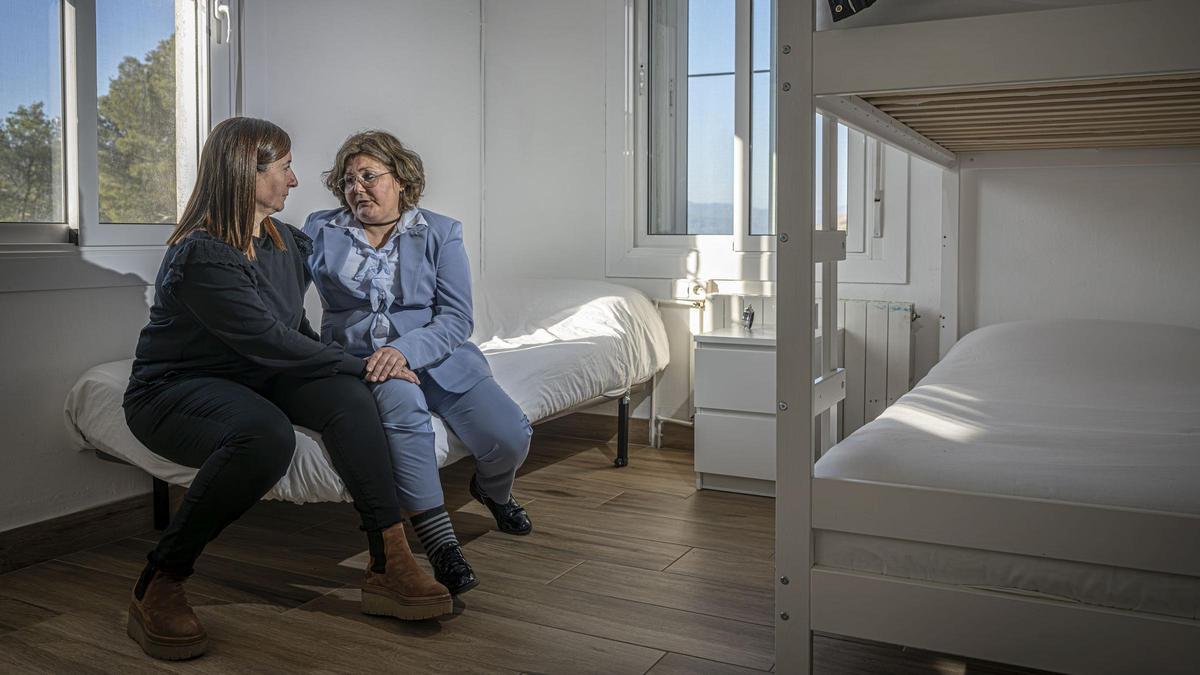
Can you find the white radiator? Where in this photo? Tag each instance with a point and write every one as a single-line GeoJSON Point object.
{"type": "Point", "coordinates": [877, 353]}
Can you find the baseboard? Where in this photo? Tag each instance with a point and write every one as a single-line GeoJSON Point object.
{"type": "Point", "coordinates": [677, 436]}
{"type": "Point", "coordinates": [29, 544]}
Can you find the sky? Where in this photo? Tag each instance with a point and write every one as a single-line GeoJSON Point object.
{"type": "Point", "coordinates": [30, 62]}
{"type": "Point", "coordinates": [711, 104]}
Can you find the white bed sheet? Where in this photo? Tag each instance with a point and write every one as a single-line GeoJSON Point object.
{"type": "Point", "coordinates": [1094, 412]}
{"type": "Point", "coordinates": [552, 344]}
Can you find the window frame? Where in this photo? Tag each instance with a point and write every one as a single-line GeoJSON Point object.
{"type": "Point", "coordinates": [81, 174]}
{"type": "Point", "coordinates": [631, 250]}
{"type": "Point", "coordinates": [883, 256]}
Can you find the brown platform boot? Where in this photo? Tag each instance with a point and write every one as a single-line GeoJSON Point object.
{"type": "Point", "coordinates": [403, 589]}
{"type": "Point", "coordinates": [162, 622]}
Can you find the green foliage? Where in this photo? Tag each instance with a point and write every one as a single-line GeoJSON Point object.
{"type": "Point", "coordinates": [137, 140]}
{"type": "Point", "coordinates": [136, 149]}
{"type": "Point", "coordinates": [31, 166]}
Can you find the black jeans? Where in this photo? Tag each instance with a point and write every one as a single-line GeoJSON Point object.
{"type": "Point", "coordinates": [242, 441]}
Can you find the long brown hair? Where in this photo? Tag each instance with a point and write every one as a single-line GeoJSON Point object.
{"type": "Point", "coordinates": [222, 203]}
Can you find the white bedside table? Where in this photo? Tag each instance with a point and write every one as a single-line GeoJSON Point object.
{"type": "Point", "coordinates": [735, 410]}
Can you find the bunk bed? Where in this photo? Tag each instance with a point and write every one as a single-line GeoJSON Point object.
{"type": "Point", "coordinates": [1035, 500]}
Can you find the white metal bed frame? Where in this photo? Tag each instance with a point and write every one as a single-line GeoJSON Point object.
{"type": "Point", "coordinates": [1143, 38]}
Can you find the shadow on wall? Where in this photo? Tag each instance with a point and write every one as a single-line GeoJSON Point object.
{"type": "Point", "coordinates": [63, 314]}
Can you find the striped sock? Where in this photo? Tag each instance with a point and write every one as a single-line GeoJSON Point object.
{"type": "Point", "coordinates": [434, 529]}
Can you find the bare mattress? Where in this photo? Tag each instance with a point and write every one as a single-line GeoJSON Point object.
{"type": "Point", "coordinates": [1094, 412]}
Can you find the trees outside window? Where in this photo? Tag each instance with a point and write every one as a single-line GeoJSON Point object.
{"type": "Point", "coordinates": [97, 137]}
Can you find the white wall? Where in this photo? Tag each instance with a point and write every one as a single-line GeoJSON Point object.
{"type": "Point", "coordinates": [49, 338]}
{"type": "Point", "coordinates": [1116, 242]}
{"type": "Point", "coordinates": [323, 70]}
{"type": "Point", "coordinates": [544, 119]}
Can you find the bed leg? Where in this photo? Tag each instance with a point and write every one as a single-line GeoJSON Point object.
{"type": "Point", "coordinates": [622, 433]}
{"type": "Point", "coordinates": [162, 504]}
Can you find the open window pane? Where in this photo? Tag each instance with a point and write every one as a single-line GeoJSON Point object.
{"type": "Point", "coordinates": [760, 120]}
{"type": "Point", "coordinates": [760, 154]}
{"type": "Point", "coordinates": [710, 116]}
{"type": "Point", "coordinates": [135, 79]}
{"type": "Point", "coordinates": [665, 128]}
{"type": "Point", "coordinates": [31, 139]}
{"type": "Point", "coordinates": [818, 171]}
{"type": "Point", "coordinates": [710, 154]}
{"type": "Point", "coordinates": [843, 184]}
{"type": "Point", "coordinates": [852, 186]}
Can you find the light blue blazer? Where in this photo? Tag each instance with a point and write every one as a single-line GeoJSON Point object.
{"type": "Point", "coordinates": [431, 314]}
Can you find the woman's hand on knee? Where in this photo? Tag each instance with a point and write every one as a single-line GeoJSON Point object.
{"type": "Point", "coordinates": [388, 363]}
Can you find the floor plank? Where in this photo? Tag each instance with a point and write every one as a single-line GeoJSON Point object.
{"type": "Point", "coordinates": [672, 590]}
{"type": "Point", "coordinates": [572, 491]}
{"type": "Point", "coordinates": [59, 587]}
{"type": "Point", "coordinates": [680, 664]}
{"type": "Point", "coordinates": [704, 505]}
{"type": "Point", "coordinates": [16, 614]}
{"type": "Point", "coordinates": [625, 620]}
{"type": "Point", "coordinates": [487, 639]}
{"type": "Point", "coordinates": [576, 543]}
{"type": "Point", "coordinates": [619, 524]}
{"type": "Point", "coordinates": [650, 469]}
{"type": "Point", "coordinates": [216, 577]}
{"type": "Point", "coordinates": [728, 568]}
{"type": "Point", "coordinates": [294, 552]}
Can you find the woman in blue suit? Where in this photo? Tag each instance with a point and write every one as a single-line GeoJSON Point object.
{"type": "Point", "coordinates": [395, 284]}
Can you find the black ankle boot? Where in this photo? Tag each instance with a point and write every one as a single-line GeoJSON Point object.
{"type": "Point", "coordinates": [451, 569]}
{"type": "Point", "coordinates": [510, 516]}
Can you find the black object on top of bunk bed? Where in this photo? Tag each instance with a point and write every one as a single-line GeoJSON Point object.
{"type": "Point", "coordinates": [841, 9]}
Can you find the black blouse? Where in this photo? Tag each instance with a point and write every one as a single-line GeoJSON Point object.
{"type": "Point", "coordinates": [218, 314]}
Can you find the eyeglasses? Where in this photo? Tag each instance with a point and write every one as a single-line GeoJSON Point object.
{"type": "Point", "coordinates": [367, 180]}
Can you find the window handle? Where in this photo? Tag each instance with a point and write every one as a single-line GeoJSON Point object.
{"type": "Point", "coordinates": [877, 226]}
{"type": "Point", "coordinates": [221, 13]}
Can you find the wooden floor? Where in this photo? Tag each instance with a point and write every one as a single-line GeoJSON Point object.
{"type": "Point", "coordinates": [627, 571]}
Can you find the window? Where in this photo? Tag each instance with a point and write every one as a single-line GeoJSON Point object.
{"type": "Point", "coordinates": [871, 194]}
{"type": "Point", "coordinates": [690, 174]}
{"type": "Point", "coordinates": [31, 133]}
{"type": "Point", "coordinates": [708, 108]}
{"type": "Point", "coordinates": [135, 99]}
{"type": "Point", "coordinates": [101, 118]}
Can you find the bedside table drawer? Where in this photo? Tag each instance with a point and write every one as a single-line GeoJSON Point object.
{"type": "Point", "coordinates": [735, 379]}
{"type": "Point", "coordinates": [735, 445]}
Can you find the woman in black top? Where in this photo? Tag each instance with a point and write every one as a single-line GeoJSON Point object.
{"type": "Point", "coordinates": [226, 365]}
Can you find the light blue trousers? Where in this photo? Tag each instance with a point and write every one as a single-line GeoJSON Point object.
{"type": "Point", "coordinates": [484, 418]}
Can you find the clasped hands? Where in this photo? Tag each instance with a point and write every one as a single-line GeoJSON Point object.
{"type": "Point", "coordinates": [387, 363]}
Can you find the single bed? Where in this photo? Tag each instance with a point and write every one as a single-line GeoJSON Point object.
{"type": "Point", "coordinates": [553, 345]}
{"type": "Point", "coordinates": [1090, 412]}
